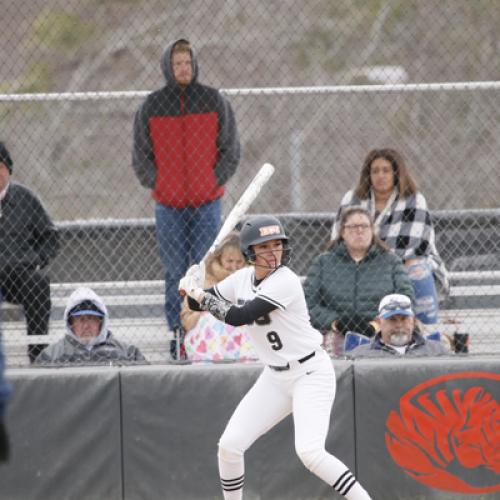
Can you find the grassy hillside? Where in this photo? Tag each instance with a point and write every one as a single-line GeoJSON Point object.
{"type": "Point", "coordinates": [78, 154]}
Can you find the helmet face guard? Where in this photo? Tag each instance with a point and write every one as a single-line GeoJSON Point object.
{"type": "Point", "coordinates": [285, 259]}
{"type": "Point", "coordinates": [259, 229]}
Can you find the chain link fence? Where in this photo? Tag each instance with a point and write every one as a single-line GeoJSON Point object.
{"type": "Point", "coordinates": [313, 88]}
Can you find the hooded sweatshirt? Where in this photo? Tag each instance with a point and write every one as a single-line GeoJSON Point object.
{"type": "Point", "coordinates": [104, 348]}
{"type": "Point", "coordinates": [186, 143]}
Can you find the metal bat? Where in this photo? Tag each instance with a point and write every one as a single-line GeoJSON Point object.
{"type": "Point", "coordinates": [242, 205]}
{"type": "Point", "coordinates": [240, 209]}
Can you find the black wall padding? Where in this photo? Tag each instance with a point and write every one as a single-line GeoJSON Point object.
{"type": "Point", "coordinates": [64, 427]}
{"type": "Point", "coordinates": [150, 432]}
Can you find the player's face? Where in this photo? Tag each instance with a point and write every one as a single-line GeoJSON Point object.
{"type": "Point", "coordinates": [357, 233]}
{"type": "Point", "coordinates": [86, 327]}
{"type": "Point", "coordinates": [397, 329]}
{"type": "Point", "coordinates": [182, 68]}
{"type": "Point", "coordinates": [268, 257]}
{"type": "Point", "coordinates": [381, 176]}
{"type": "Point", "coordinates": [232, 259]}
{"type": "Point", "coordinates": [4, 176]}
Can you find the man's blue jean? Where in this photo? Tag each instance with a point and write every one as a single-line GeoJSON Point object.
{"type": "Point", "coordinates": [183, 235]}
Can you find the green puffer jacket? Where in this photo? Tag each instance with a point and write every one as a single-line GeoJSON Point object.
{"type": "Point", "coordinates": [339, 289]}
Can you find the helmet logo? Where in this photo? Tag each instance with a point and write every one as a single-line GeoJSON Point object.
{"type": "Point", "coordinates": [269, 230]}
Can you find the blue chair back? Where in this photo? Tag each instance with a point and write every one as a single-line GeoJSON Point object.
{"type": "Point", "coordinates": [433, 336]}
{"type": "Point", "coordinates": [353, 339]}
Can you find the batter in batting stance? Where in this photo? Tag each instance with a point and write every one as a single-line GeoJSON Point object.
{"type": "Point", "coordinates": [299, 376]}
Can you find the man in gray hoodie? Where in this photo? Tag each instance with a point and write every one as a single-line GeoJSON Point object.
{"type": "Point", "coordinates": [87, 339]}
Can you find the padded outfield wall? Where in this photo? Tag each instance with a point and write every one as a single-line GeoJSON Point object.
{"type": "Point", "coordinates": [408, 428]}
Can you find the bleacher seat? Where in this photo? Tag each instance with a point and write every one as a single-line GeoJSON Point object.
{"type": "Point", "coordinates": [353, 340]}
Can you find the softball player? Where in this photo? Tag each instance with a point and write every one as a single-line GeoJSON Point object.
{"type": "Point", "coordinates": [298, 377]}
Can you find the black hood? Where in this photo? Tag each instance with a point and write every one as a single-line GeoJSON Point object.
{"type": "Point", "coordinates": [166, 67]}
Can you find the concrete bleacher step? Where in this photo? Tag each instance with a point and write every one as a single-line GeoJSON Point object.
{"type": "Point", "coordinates": [127, 299]}
{"type": "Point", "coordinates": [473, 290]}
{"type": "Point", "coordinates": [474, 278]}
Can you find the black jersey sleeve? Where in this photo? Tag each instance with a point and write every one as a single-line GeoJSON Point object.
{"type": "Point", "coordinates": [240, 315]}
{"type": "Point", "coordinates": [248, 313]}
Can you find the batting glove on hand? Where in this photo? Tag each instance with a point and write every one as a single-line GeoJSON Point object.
{"type": "Point", "coordinates": [194, 278]}
{"type": "Point", "coordinates": [197, 294]}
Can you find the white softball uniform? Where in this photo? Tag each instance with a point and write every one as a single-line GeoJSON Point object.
{"type": "Point", "coordinates": [286, 333]}
{"type": "Point", "coordinates": [299, 379]}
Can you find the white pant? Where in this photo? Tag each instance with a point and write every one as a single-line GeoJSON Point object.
{"type": "Point", "coordinates": [306, 389]}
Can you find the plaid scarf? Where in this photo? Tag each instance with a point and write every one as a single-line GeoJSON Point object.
{"type": "Point", "coordinates": [405, 225]}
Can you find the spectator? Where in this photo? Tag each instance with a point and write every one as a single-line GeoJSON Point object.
{"type": "Point", "coordinates": [186, 147]}
{"type": "Point", "coordinates": [4, 397]}
{"type": "Point", "coordinates": [345, 284]}
{"type": "Point", "coordinates": [402, 220]}
{"type": "Point", "coordinates": [28, 241]}
{"type": "Point", "coordinates": [87, 338]}
{"type": "Point", "coordinates": [207, 338]}
{"type": "Point", "coordinates": [398, 334]}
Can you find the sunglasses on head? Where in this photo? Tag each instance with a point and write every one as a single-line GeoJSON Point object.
{"type": "Point", "coordinates": [392, 306]}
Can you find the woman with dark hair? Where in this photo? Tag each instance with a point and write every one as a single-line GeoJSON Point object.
{"type": "Point", "coordinates": [345, 284]}
{"type": "Point", "coordinates": [402, 220]}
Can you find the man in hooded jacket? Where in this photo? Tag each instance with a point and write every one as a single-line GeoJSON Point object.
{"type": "Point", "coordinates": [28, 242]}
{"type": "Point", "coordinates": [87, 338]}
{"type": "Point", "coordinates": [185, 148]}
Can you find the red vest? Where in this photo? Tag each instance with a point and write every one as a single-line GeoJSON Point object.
{"type": "Point", "coordinates": [185, 153]}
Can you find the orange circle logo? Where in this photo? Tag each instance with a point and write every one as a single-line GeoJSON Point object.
{"type": "Point", "coordinates": [449, 437]}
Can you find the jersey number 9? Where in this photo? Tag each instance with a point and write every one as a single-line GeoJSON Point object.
{"type": "Point", "coordinates": [274, 340]}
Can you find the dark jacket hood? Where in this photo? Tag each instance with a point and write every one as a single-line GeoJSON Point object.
{"type": "Point", "coordinates": [166, 67]}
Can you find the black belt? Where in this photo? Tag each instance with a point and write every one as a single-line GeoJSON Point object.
{"type": "Point", "coordinates": [287, 366]}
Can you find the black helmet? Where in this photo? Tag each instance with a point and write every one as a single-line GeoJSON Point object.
{"type": "Point", "coordinates": [259, 229]}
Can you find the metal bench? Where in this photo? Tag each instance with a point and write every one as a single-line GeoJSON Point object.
{"type": "Point", "coordinates": [137, 315]}
{"type": "Point", "coordinates": [473, 307]}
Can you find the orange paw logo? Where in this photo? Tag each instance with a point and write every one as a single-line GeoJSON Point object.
{"type": "Point", "coordinates": [447, 437]}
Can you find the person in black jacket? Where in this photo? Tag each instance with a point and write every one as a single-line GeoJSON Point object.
{"type": "Point", "coordinates": [185, 148]}
{"type": "Point", "coordinates": [28, 241]}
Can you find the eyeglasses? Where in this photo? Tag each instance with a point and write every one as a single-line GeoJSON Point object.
{"type": "Point", "coordinates": [356, 227]}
